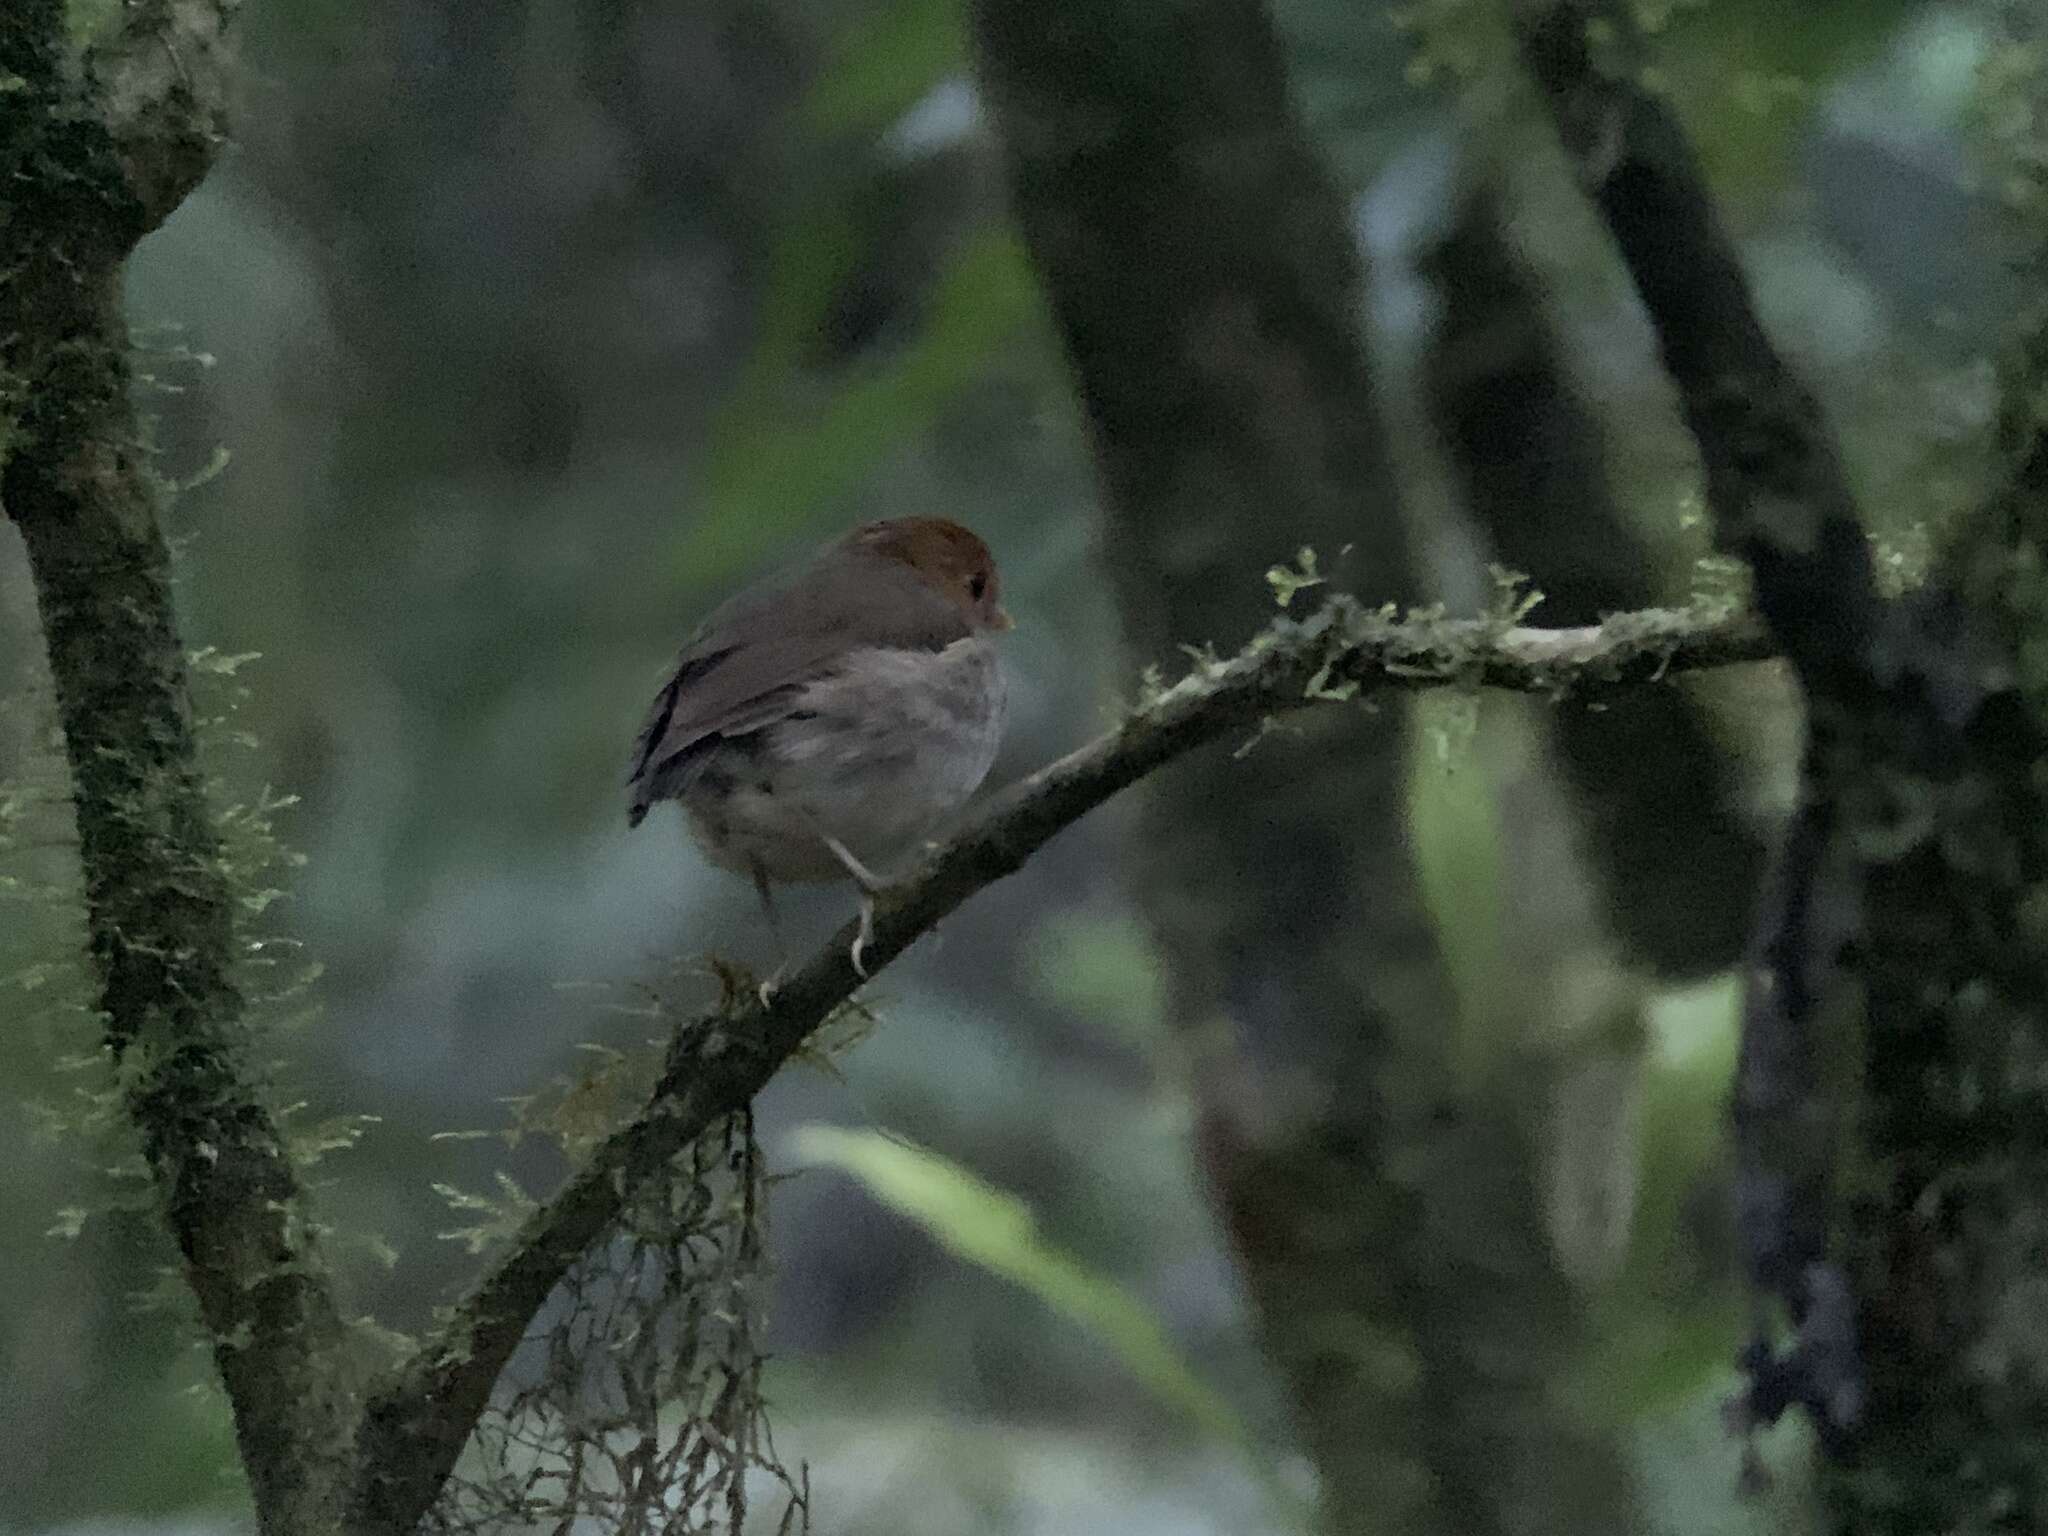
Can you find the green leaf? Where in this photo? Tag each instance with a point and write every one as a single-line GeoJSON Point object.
{"type": "Point", "coordinates": [1454, 823]}
{"type": "Point", "coordinates": [997, 1231]}
{"type": "Point", "coordinates": [1664, 1337]}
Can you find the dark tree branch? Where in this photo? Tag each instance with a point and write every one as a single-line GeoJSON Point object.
{"type": "Point", "coordinates": [1788, 1123]}
{"type": "Point", "coordinates": [419, 1418]}
{"type": "Point", "coordinates": [1779, 498]}
{"type": "Point", "coordinates": [1892, 1118]}
{"type": "Point", "coordinates": [1774, 481]}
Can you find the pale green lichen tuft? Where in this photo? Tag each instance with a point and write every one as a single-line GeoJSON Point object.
{"type": "Point", "coordinates": [1287, 581]}
{"type": "Point", "coordinates": [1514, 597]}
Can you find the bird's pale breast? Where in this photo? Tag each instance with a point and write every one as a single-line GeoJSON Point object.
{"type": "Point", "coordinates": [876, 752]}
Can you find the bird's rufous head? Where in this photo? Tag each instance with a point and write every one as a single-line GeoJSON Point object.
{"type": "Point", "coordinates": [949, 558]}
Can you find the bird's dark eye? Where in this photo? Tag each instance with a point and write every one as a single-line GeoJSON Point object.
{"type": "Point", "coordinates": [977, 584]}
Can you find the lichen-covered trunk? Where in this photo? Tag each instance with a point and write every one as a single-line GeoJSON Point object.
{"type": "Point", "coordinates": [1891, 1101]}
{"type": "Point", "coordinates": [1940, 804]}
{"type": "Point", "coordinates": [1207, 290]}
{"type": "Point", "coordinates": [74, 481]}
{"type": "Point", "coordinates": [159, 917]}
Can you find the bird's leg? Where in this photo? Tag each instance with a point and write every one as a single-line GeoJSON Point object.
{"type": "Point", "coordinates": [870, 885]}
{"type": "Point", "coordinates": [865, 936]}
{"type": "Point", "coordinates": [767, 895]}
{"type": "Point", "coordinates": [863, 877]}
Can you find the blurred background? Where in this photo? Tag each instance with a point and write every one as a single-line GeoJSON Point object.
{"type": "Point", "coordinates": [506, 339]}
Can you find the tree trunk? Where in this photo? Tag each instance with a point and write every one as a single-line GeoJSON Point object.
{"type": "Point", "coordinates": [1207, 289]}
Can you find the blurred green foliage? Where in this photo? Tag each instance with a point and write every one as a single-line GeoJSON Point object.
{"type": "Point", "coordinates": [1744, 72]}
{"type": "Point", "coordinates": [881, 62]}
{"type": "Point", "coordinates": [1453, 817]}
{"type": "Point", "coordinates": [787, 445]}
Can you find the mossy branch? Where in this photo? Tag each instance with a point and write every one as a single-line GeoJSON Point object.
{"type": "Point", "coordinates": [90, 161]}
{"type": "Point", "coordinates": [161, 83]}
{"type": "Point", "coordinates": [1341, 656]}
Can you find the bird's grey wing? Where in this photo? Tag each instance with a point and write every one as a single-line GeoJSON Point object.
{"type": "Point", "coordinates": [671, 753]}
{"type": "Point", "coordinates": [745, 667]}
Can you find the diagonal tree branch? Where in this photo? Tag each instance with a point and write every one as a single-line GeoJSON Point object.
{"type": "Point", "coordinates": [1773, 478]}
{"type": "Point", "coordinates": [418, 1419]}
{"type": "Point", "coordinates": [1779, 498]}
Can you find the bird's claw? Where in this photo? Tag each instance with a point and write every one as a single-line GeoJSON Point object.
{"type": "Point", "coordinates": [864, 937]}
{"type": "Point", "coordinates": [772, 984]}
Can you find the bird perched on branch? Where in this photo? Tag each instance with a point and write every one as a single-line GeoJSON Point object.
{"type": "Point", "coordinates": [830, 718]}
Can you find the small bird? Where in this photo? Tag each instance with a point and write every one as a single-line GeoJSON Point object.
{"type": "Point", "coordinates": [830, 718]}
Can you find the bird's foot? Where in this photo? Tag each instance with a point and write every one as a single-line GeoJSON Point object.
{"type": "Point", "coordinates": [865, 936]}
{"type": "Point", "coordinates": [871, 885]}
{"type": "Point", "coordinates": [767, 990]}
{"type": "Point", "coordinates": [772, 984]}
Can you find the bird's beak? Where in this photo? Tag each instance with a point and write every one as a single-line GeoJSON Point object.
{"type": "Point", "coordinates": [1001, 619]}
